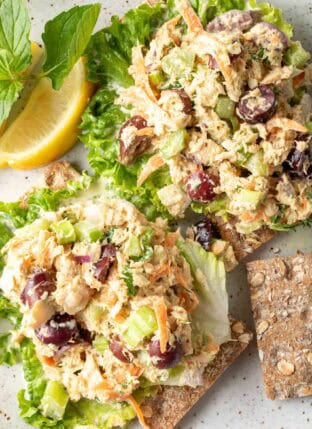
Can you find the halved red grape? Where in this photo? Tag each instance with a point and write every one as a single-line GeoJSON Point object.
{"type": "Point", "coordinates": [200, 186]}
{"type": "Point", "coordinates": [119, 352]}
{"type": "Point", "coordinates": [233, 20]}
{"type": "Point", "coordinates": [169, 359]}
{"type": "Point", "coordinates": [59, 330]}
{"type": "Point", "coordinates": [132, 145]}
{"type": "Point", "coordinates": [187, 102]}
{"type": "Point", "coordinates": [102, 266]}
{"type": "Point", "coordinates": [299, 162]}
{"type": "Point", "coordinates": [38, 285]}
{"type": "Point", "coordinates": [204, 233]}
{"type": "Point", "coordinates": [82, 259]}
{"type": "Point", "coordinates": [257, 105]}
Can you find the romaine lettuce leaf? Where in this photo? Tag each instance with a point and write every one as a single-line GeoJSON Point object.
{"type": "Point", "coordinates": [109, 51]}
{"type": "Point", "coordinates": [210, 318]}
{"type": "Point", "coordinates": [9, 354]}
{"type": "Point", "coordinates": [16, 215]}
{"type": "Point", "coordinates": [100, 124]}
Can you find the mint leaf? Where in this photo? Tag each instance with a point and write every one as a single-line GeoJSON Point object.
{"type": "Point", "coordinates": [66, 38]}
{"type": "Point", "coordinates": [14, 33]}
{"type": "Point", "coordinates": [9, 92]}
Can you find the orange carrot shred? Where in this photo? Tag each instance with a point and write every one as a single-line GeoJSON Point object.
{"type": "Point", "coordinates": [159, 273]}
{"type": "Point", "coordinates": [160, 309]}
{"type": "Point", "coordinates": [138, 410]}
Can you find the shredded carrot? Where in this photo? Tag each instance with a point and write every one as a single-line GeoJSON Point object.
{"type": "Point", "coordinates": [171, 238]}
{"type": "Point", "coordinates": [160, 309]}
{"type": "Point", "coordinates": [188, 300]}
{"type": "Point", "coordinates": [138, 410]}
{"type": "Point", "coordinates": [135, 370]}
{"type": "Point", "coordinates": [299, 79]}
{"type": "Point", "coordinates": [181, 279]}
{"type": "Point", "coordinates": [253, 217]}
{"type": "Point", "coordinates": [285, 124]}
{"type": "Point", "coordinates": [153, 164]}
{"type": "Point", "coordinates": [159, 273]}
{"type": "Point", "coordinates": [190, 17]}
{"type": "Point", "coordinates": [48, 360]}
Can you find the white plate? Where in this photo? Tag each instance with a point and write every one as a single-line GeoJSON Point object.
{"type": "Point", "coordinates": [237, 400]}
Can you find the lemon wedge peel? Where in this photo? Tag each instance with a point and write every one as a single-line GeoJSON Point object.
{"type": "Point", "coordinates": [48, 126]}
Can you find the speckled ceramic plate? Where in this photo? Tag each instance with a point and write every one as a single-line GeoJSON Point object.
{"type": "Point", "coordinates": [237, 400]}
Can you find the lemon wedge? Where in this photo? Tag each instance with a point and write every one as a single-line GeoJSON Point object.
{"type": "Point", "coordinates": [47, 127]}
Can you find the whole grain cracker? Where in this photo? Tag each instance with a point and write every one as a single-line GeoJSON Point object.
{"type": "Point", "coordinates": [281, 297]}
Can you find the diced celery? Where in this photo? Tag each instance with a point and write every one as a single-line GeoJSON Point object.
{"type": "Point", "coordinates": [156, 78]}
{"type": "Point", "coordinates": [134, 249]}
{"type": "Point", "coordinates": [178, 63]}
{"type": "Point", "coordinates": [225, 107]}
{"type": "Point", "coordinates": [296, 55]}
{"type": "Point", "coordinates": [247, 199]}
{"type": "Point", "coordinates": [96, 312]}
{"type": "Point", "coordinates": [54, 400]}
{"type": "Point", "coordinates": [100, 343]}
{"type": "Point", "coordinates": [256, 165]}
{"type": "Point", "coordinates": [141, 323]}
{"type": "Point", "coordinates": [174, 144]}
{"type": "Point", "coordinates": [64, 231]}
{"type": "Point", "coordinates": [85, 231]}
{"type": "Point", "coordinates": [235, 123]}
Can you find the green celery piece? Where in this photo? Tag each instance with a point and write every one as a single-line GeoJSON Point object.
{"type": "Point", "coordinates": [85, 231]}
{"type": "Point", "coordinates": [225, 107]}
{"type": "Point", "coordinates": [64, 231]}
{"type": "Point", "coordinates": [141, 324]}
{"type": "Point", "coordinates": [100, 343]}
{"type": "Point", "coordinates": [174, 144]}
{"type": "Point", "coordinates": [250, 199]}
{"type": "Point", "coordinates": [134, 248]}
{"type": "Point", "coordinates": [54, 400]}
{"type": "Point", "coordinates": [66, 38]}
{"type": "Point", "coordinates": [178, 63]}
{"type": "Point", "coordinates": [309, 126]}
{"type": "Point", "coordinates": [156, 78]}
{"type": "Point", "coordinates": [296, 55]}
{"type": "Point", "coordinates": [256, 165]}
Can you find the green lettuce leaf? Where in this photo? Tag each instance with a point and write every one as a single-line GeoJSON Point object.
{"type": "Point", "coordinates": [274, 15]}
{"type": "Point", "coordinates": [208, 9]}
{"type": "Point", "coordinates": [100, 125]}
{"type": "Point", "coordinates": [83, 413]}
{"type": "Point", "coordinates": [16, 215]}
{"type": "Point", "coordinates": [210, 318]}
{"type": "Point", "coordinates": [109, 51]}
{"type": "Point", "coordinates": [9, 312]}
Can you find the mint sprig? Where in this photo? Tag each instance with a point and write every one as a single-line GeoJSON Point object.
{"type": "Point", "coordinates": [65, 39]}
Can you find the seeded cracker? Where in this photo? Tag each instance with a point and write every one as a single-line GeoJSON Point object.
{"type": "Point", "coordinates": [171, 404]}
{"type": "Point", "coordinates": [281, 296]}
